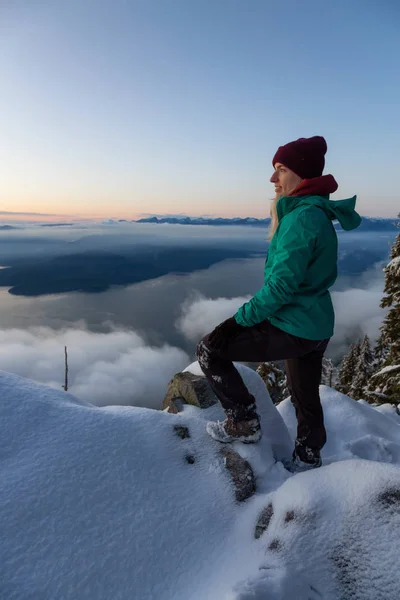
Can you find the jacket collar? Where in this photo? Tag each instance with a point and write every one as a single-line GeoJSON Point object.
{"type": "Point", "coordinates": [317, 186]}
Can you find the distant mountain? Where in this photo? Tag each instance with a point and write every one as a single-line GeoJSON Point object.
{"type": "Point", "coordinates": [368, 223]}
{"type": "Point", "coordinates": [205, 221]}
{"type": "Point", "coordinates": [7, 227]}
{"type": "Point", "coordinates": [56, 225]}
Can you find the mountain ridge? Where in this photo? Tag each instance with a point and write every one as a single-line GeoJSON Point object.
{"type": "Point", "coordinates": [368, 223]}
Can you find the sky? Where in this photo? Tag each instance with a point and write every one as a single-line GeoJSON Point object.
{"type": "Point", "coordinates": [126, 108]}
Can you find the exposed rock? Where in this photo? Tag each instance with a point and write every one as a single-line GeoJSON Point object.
{"type": "Point", "coordinates": [275, 381]}
{"type": "Point", "coordinates": [346, 571]}
{"type": "Point", "coordinates": [241, 473]}
{"type": "Point", "coordinates": [289, 516]}
{"type": "Point", "coordinates": [175, 406]}
{"type": "Point", "coordinates": [390, 498]}
{"type": "Point", "coordinates": [275, 545]}
{"type": "Point", "coordinates": [182, 432]}
{"type": "Point", "coordinates": [264, 520]}
{"type": "Point", "coordinates": [186, 388]}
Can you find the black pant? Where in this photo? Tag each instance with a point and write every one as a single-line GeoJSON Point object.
{"type": "Point", "coordinates": [262, 343]}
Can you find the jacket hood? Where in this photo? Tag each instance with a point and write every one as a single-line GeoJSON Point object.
{"type": "Point", "coordinates": [342, 210]}
{"type": "Point", "coordinates": [315, 192]}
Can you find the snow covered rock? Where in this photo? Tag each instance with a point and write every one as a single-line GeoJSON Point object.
{"type": "Point", "coordinates": [240, 470]}
{"type": "Point", "coordinates": [275, 381]}
{"type": "Point", "coordinates": [354, 429]}
{"type": "Point", "coordinates": [95, 502]}
{"type": "Point", "coordinates": [332, 533]}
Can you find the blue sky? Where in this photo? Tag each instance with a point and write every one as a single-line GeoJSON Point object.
{"type": "Point", "coordinates": [118, 108]}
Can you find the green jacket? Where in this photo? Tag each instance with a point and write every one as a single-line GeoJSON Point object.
{"type": "Point", "coordinates": [301, 266]}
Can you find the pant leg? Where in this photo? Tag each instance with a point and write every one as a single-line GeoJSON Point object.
{"type": "Point", "coordinates": [304, 378]}
{"type": "Point", "coordinates": [262, 342]}
{"type": "Point", "coordinates": [226, 383]}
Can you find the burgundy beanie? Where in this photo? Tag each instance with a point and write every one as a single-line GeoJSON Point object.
{"type": "Point", "coordinates": [305, 156]}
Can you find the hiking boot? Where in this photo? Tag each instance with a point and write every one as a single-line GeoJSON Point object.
{"type": "Point", "coordinates": [304, 458]}
{"type": "Point", "coordinates": [296, 465]}
{"type": "Point", "coordinates": [248, 432]}
{"type": "Point", "coordinates": [305, 453]}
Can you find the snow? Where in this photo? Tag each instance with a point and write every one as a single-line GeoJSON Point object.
{"type": "Point", "coordinates": [387, 370]}
{"type": "Point", "coordinates": [101, 502]}
{"type": "Point", "coordinates": [390, 410]}
{"type": "Point", "coordinates": [393, 267]}
{"type": "Point", "coordinates": [395, 262]}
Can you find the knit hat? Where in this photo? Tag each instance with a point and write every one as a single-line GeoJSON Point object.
{"type": "Point", "coordinates": [305, 156]}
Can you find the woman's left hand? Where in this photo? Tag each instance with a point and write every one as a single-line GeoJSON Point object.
{"type": "Point", "coordinates": [223, 332]}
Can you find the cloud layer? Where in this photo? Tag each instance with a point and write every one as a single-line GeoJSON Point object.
{"type": "Point", "coordinates": [104, 368]}
{"type": "Point", "coordinates": [200, 316]}
{"type": "Point", "coordinates": [357, 312]}
{"type": "Point", "coordinates": [125, 344]}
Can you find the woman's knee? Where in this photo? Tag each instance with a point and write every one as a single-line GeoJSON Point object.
{"type": "Point", "coordinates": [203, 351]}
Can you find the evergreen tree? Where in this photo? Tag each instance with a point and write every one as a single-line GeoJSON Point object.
{"type": "Point", "coordinates": [385, 383]}
{"type": "Point", "coordinates": [329, 373]}
{"type": "Point", "coordinates": [348, 368]}
{"type": "Point", "coordinates": [391, 325]}
{"type": "Point", "coordinates": [275, 381]}
{"type": "Point", "coordinates": [363, 370]}
{"type": "Point", "coordinates": [381, 352]}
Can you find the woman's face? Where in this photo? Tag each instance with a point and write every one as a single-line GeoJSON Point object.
{"type": "Point", "coordinates": [284, 179]}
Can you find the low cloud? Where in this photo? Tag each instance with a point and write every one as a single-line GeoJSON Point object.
{"type": "Point", "coordinates": [201, 315]}
{"type": "Point", "coordinates": [104, 368]}
{"type": "Point", "coordinates": [131, 360]}
{"type": "Point", "coordinates": [357, 311]}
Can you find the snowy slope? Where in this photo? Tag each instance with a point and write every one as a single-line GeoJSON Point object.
{"type": "Point", "coordinates": [101, 504]}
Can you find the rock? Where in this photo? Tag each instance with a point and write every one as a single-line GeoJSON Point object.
{"type": "Point", "coordinates": [275, 381]}
{"type": "Point", "coordinates": [175, 406]}
{"type": "Point", "coordinates": [182, 431]}
{"type": "Point", "coordinates": [264, 520]}
{"type": "Point", "coordinates": [186, 388]}
{"type": "Point", "coordinates": [275, 545]}
{"type": "Point", "coordinates": [289, 516]}
{"type": "Point", "coordinates": [241, 473]}
{"type": "Point", "coordinates": [390, 498]}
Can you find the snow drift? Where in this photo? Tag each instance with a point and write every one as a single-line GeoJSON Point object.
{"type": "Point", "coordinates": [99, 503]}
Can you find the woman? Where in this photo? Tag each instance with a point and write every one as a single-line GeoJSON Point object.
{"type": "Point", "coordinates": [291, 318]}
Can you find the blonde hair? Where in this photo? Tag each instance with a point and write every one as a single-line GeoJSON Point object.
{"type": "Point", "coordinates": [274, 219]}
